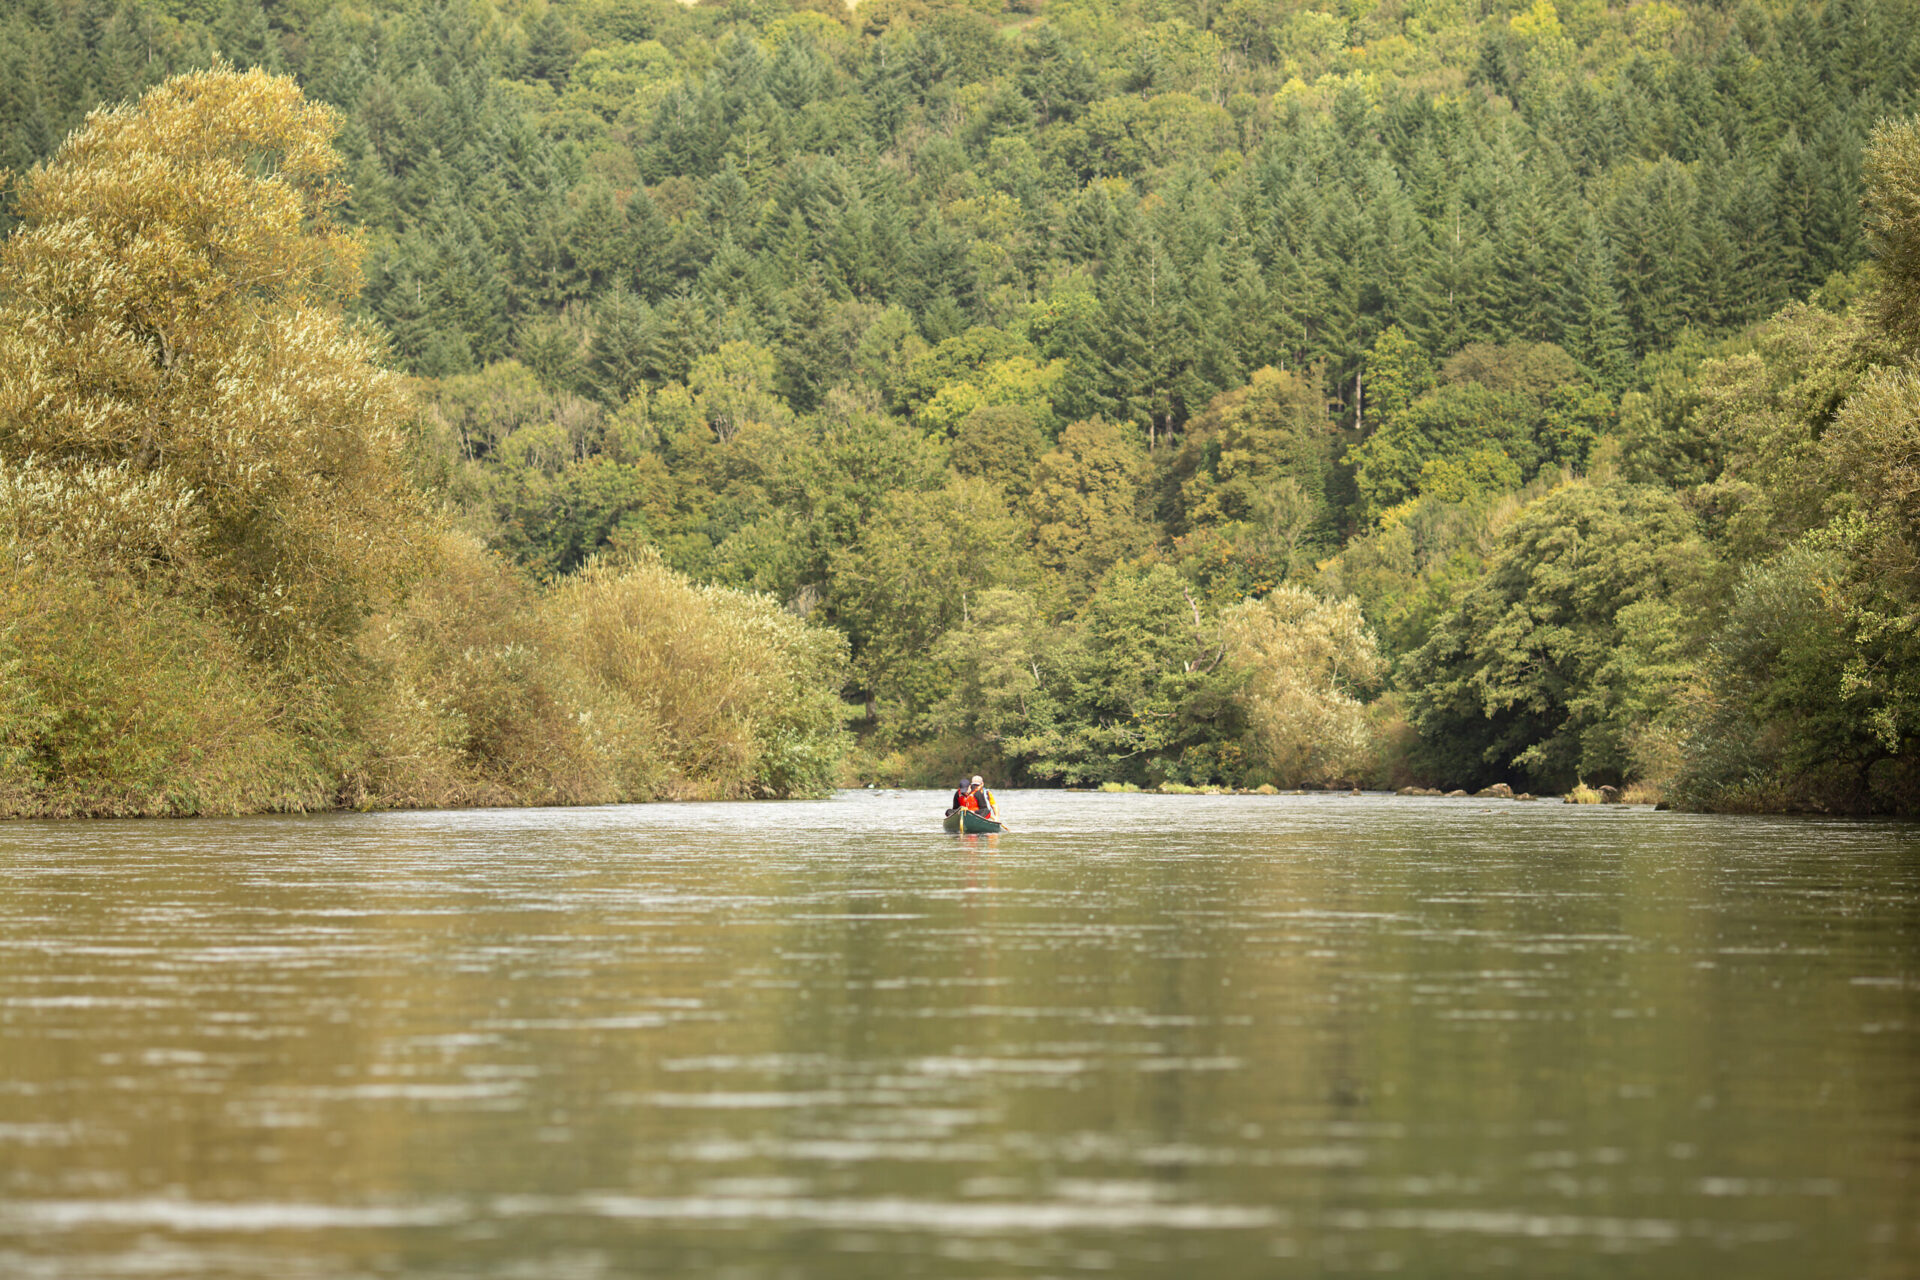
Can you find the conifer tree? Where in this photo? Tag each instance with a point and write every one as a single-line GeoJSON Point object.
{"type": "Point", "coordinates": [1652, 227]}
{"type": "Point", "coordinates": [246, 39]}
{"type": "Point", "coordinates": [550, 49]}
{"type": "Point", "coordinates": [1531, 247]}
{"type": "Point", "coordinates": [808, 354]}
{"type": "Point", "coordinates": [1799, 198]}
{"type": "Point", "coordinates": [596, 241]}
{"type": "Point", "coordinates": [1741, 203]}
{"type": "Point", "coordinates": [681, 331]}
{"type": "Point", "coordinates": [1146, 346]}
{"type": "Point", "coordinates": [1594, 331]}
{"type": "Point", "coordinates": [1444, 307]}
{"type": "Point", "coordinates": [647, 252]}
{"type": "Point", "coordinates": [1055, 77]}
{"type": "Point", "coordinates": [620, 355]}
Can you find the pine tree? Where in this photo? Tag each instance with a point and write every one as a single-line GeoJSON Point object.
{"type": "Point", "coordinates": [1342, 243]}
{"type": "Point", "coordinates": [1055, 77]}
{"type": "Point", "coordinates": [1711, 273]}
{"type": "Point", "coordinates": [790, 251]}
{"type": "Point", "coordinates": [886, 89]}
{"type": "Point", "coordinates": [1652, 226]}
{"type": "Point", "coordinates": [544, 275]}
{"type": "Point", "coordinates": [1531, 246]}
{"type": "Point", "coordinates": [469, 294]}
{"type": "Point", "coordinates": [1448, 280]}
{"type": "Point", "coordinates": [1835, 224]}
{"type": "Point", "coordinates": [1093, 226]}
{"type": "Point", "coordinates": [943, 268]}
{"type": "Point", "coordinates": [551, 50]}
{"type": "Point", "coordinates": [246, 39]}
{"type": "Point", "coordinates": [649, 239]}
{"type": "Point", "coordinates": [798, 75]}
{"type": "Point", "coordinates": [1797, 192]}
{"type": "Point", "coordinates": [808, 356]}
{"type": "Point", "coordinates": [681, 330]}
{"type": "Point", "coordinates": [753, 152]}
{"type": "Point", "coordinates": [1594, 329]}
{"type": "Point", "coordinates": [731, 281]}
{"type": "Point", "coordinates": [1256, 333]}
{"type": "Point", "coordinates": [620, 356]}
{"type": "Point", "coordinates": [1744, 205]}
{"type": "Point", "coordinates": [1149, 349]}
{"type": "Point", "coordinates": [728, 209]}
{"type": "Point", "coordinates": [596, 241]}
{"type": "Point", "coordinates": [850, 252]}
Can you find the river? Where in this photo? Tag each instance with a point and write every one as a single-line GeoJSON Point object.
{"type": "Point", "coordinates": [1135, 1036]}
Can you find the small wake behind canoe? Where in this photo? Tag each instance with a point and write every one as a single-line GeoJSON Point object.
{"type": "Point", "coordinates": [969, 821]}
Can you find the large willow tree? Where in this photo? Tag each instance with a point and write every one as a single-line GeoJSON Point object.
{"type": "Point", "coordinates": [181, 396]}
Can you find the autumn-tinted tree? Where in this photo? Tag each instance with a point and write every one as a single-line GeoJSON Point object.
{"type": "Point", "coordinates": [174, 324]}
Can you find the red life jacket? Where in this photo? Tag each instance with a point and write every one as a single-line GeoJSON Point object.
{"type": "Point", "coordinates": [965, 800]}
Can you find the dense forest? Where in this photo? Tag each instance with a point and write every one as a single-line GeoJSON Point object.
{"type": "Point", "coordinates": [1124, 392]}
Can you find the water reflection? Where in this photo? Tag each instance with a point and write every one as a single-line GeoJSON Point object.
{"type": "Point", "coordinates": [1259, 1036]}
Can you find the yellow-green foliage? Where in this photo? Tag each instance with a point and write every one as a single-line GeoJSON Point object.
{"type": "Point", "coordinates": [465, 705]}
{"type": "Point", "coordinates": [1893, 226]}
{"type": "Point", "coordinates": [219, 590]}
{"type": "Point", "coordinates": [170, 320]}
{"type": "Point", "coordinates": [116, 700]}
{"type": "Point", "coordinates": [740, 698]}
{"type": "Point", "coordinates": [1086, 500]}
{"type": "Point", "coordinates": [623, 682]}
{"type": "Point", "coordinates": [1304, 659]}
{"type": "Point", "coordinates": [1642, 793]}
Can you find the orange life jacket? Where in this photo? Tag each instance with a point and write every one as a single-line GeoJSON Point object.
{"type": "Point", "coordinates": [968, 801]}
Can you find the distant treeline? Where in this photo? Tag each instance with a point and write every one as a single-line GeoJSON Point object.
{"type": "Point", "coordinates": [1203, 190]}
{"type": "Point", "coordinates": [1238, 393]}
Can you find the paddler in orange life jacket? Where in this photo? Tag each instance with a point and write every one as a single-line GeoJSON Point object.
{"type": "Point", "coordinates": [982, 799]}
{"type": "Point", "coordinates": [963, 796]}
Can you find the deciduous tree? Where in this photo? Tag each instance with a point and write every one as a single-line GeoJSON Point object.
{"type": "Point", "coordinates": [173, 310]}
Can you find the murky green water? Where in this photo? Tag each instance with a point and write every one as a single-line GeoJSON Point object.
{"type": "Point", "coordinates": [1144, 1036]}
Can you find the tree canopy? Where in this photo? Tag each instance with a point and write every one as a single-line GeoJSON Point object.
{"type": "Point", "coordinates": [1112, 378]}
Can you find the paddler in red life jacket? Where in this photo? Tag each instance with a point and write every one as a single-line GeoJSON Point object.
{"type": "Point", "coordinates": [963, 797]}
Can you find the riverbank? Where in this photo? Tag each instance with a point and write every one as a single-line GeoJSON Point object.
{"type": "Point", "coordinates": [623, 682]}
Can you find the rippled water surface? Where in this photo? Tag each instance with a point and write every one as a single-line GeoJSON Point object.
{"type": "Point", "coordinates": [1138, 1036]}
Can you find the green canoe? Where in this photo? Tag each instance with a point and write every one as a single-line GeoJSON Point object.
{"type": "Point", "coordinates": [973, 823]}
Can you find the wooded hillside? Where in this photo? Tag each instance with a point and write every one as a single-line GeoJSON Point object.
{"type": "Point", "coordinates": [1259, 392]}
